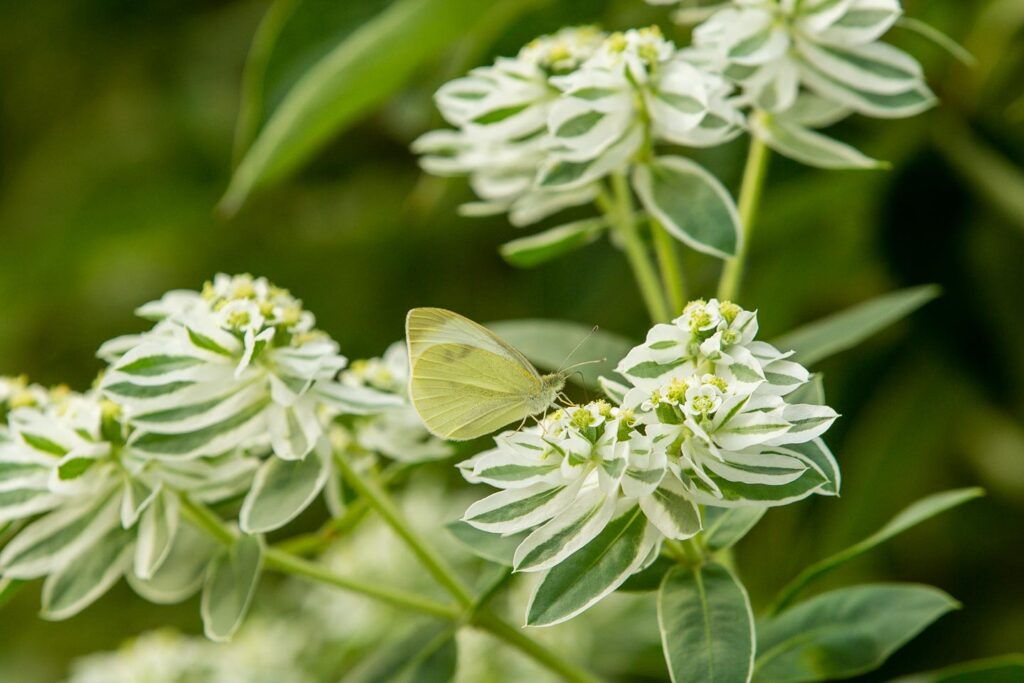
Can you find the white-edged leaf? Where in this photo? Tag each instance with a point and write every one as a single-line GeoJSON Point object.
{"type": "Point", "coordinates": [230, 584]}
{"type": "Point", "coordinates": [691, 203]}
{"type": "Point", "coordinates": [515, 510]}
{"type": "Point", "coordinates": [76, 586]}
{"type": "Point", "coordinates": [181, 573]}
{"type": "Point", "coordinates": [156, 531]}
{"type": "Point", "coordinates": [809, 147]}
{"type": "Point", "coordinates": [670, 509]}
{"type": "Point", "coordinates": [707, 628]}
{"type": "Point", "coordinates": [51, 541]}
{"type": "Point", "coordinates": [593, 571]}
{"type": "Point", "coordinates": [281, 490]}
{"type": "Point", "coordinates": [844, 632]}
{"type": "Point", "coordinates": [568, 531]}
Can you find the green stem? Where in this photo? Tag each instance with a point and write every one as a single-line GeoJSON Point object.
{"type": "Point", "coordinates": [286, 563]}
{"type": "Point", "coordinates": [538, 652]}
{"type": "Point", "coordinates": [381, 502]}
{"type": "Point", "coordinates": [671, 271]}
{"type": "Point", "coordinates": [754, 174]}
{"type": "Point", "coordinates": [620, 211]}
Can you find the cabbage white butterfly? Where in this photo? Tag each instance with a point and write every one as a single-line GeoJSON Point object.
{"type": "Point", "coordinates": [465, 381]}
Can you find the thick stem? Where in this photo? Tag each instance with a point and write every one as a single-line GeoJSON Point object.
{"type": "Point", "coordinates": [750, 196]}
{"type": "Point", "coordinates": [381, 502]}
{"type": "Point", "coordinates": [620, 211]}
{"type": "Point", "coordinates": [671, 270]}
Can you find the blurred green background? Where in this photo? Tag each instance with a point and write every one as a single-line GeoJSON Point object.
{"type": "Point", "coordinates": [117, 122]}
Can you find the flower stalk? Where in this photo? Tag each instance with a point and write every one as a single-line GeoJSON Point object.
{"type": "Point", "coordinates": [754, 174]}
{"type": "Point", "coordinates": [619, 209]}
{"type": "Point", "coordinates": [470, 611]}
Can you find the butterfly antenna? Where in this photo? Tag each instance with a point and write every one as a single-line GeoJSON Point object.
{"type": "Point", "coordinates": [577, 348]}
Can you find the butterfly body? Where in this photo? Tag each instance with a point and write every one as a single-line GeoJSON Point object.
{"type": "Point", "coordinates": [465, 381]}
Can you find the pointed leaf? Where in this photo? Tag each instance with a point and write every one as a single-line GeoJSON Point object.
{"type": "Point", "coordinates": [809, 147]}
{"type": "Point", "coordinates": [914, 514]}
{"type": "Point", "coordinates": [358, 73]}
{"type": "Point", "coordinates": [593, 571]}
{"type": "Point", "coordinates": [844, 330]}
{"type": "Point", "coordinates": [844, 632]}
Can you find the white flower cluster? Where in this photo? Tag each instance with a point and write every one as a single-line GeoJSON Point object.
{"type": "Point", "coordinates": [537, 133]}
{"type": "Point", "coordinates": [705, 420]}
{"type": "Point", "coordinates": [232, 392]}
{"type": "Point", "coordinates": [776, 49]}
{"type": "Point", "coordinates": [806, 64]}
{"type": "Point", "coordinates": [101, 509]}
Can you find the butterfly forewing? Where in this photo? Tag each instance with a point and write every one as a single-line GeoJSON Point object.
{"type": "Point", "coordinates": [465, 381]}
{"type": "Point", "coordinates": [426, 327]}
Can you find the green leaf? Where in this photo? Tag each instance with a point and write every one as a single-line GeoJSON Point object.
{"type": "Point", "coordinates": [844, 330]}
{"type": "Point", "coordinates": [357, 74]}
{"type": "Point", "coordinates": [491, 547]}
{"type": "Point", "coordinates": [157, 529]}
{"type": "Point", "coordinates": [82, 582]}
{"type": "Point", "coordinates": [230, 584]}
{"type": "Point", "coordinates": [808, 147]}
{"type": "Point", "coordinates": [593, 571]}
{"type": "Point", "coordinates": [57, 538]}
{"type": "Point", "coordinates": [914, 514]}
{"type": "Point", "coordinates": [691, 203]}
{"type": "Point", "coordinates": [723, 527]}
{"type": "Point", "coordinates": [281, 490]}
{"type": "Point", "coordinates": [845, 632]}
{"type": "Point", "coordinates": [427, 655]}
{"type": "Point", "coordinates": [549, 343]}
{"type": "Point", "coordinates": [1004, 669]}
{"type": "Point", "coordinates": [532, 251]}
{"type": "Point", "coordinates": [182, 571]}
{"type": "Point", "coordinates": [707, 628]}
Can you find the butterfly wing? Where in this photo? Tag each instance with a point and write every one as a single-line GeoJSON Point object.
{"type": "Point", "coordinates": [465, 381]}
{"type": "Point", "coordinates": [426, 327]}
